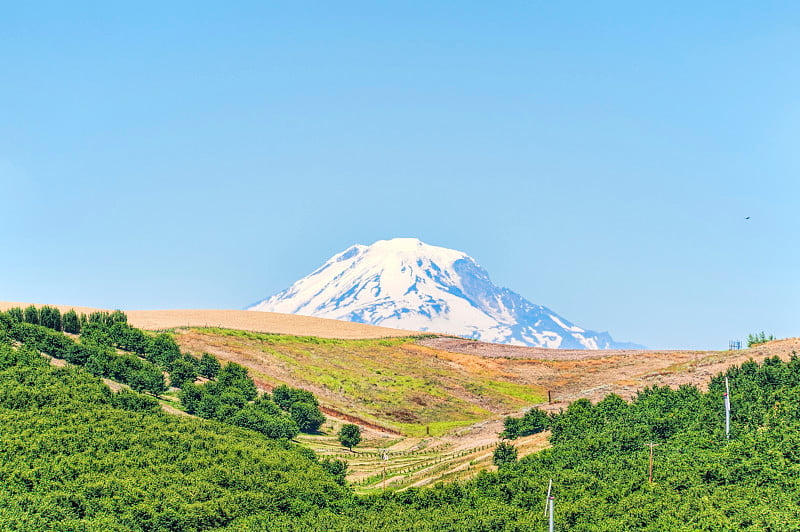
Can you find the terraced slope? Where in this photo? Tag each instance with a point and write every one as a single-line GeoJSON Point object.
{"type": "Point", "coordinates": [394, 383]}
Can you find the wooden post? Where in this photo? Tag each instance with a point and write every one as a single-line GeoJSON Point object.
{"type": "Point", "coordinates": [550, 396]}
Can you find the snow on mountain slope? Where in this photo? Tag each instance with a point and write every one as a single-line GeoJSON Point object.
{"type": "Point", "coordinates": [404, 283]}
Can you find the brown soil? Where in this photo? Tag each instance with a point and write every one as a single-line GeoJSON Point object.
{"type": "Point", "coordinates": [246, 320]}
{"type": "Point", "coordinates": [575, 374]}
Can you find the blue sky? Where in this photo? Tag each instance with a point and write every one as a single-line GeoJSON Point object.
{"type": "Point", "coordinates": [597, 158]}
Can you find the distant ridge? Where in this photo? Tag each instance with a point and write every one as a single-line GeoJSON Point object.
{"type": "Point", "coordinates": [242, 320]}
{"type": "Point", "coordinates": [407, 284]}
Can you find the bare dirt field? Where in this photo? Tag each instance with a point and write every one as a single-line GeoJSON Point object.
{"type": "Point", "coordinates": [575, 374]}
{"type": "Point", "coordinates": [246, 320]}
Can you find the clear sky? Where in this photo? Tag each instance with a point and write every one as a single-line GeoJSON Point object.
{"type": "Point", "coordinates": [598, 158]}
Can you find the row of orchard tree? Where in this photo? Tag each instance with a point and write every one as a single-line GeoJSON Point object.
{"type": "Point", "coordinates": [78, 457]}
{"type": "Point", "coordinates": [108, 346]}
{"type": "Point", "coordinates": [69, 322]}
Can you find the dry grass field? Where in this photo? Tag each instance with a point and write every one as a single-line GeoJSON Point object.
{"type": "Point", "coordinates": [245, 320]}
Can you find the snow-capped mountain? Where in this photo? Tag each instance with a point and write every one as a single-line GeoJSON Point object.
{"type": "Point", "coordinates": [407, 284]}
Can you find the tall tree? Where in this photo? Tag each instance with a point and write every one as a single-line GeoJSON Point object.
{"type": "Point", "coordinates": [32, 315]}
{"type": "Point", "coordinates": [15, 314]}
{"type": "Point", "coordinates": [307, 416]}
{"type": "Point", "coordinates": [181, 372]}
{"type": "Point", "coordinates": [209, 366]}
{"type": "Point", "coordinates": [504, 454]}
{"type": "Point", "coordinates": [350, 436]}
{"type": "Point", "coordinates": [50, 317]}
{"type": "Point", "coordinates": [71, 322]}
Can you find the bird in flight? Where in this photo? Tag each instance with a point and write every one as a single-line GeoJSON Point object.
{"type": "Point", "coordinates": [746, 217]}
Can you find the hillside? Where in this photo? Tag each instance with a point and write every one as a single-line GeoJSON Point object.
{"type": "Point", "coordinates": [79, 457]}
{"type": "Point", "coordinates": [76, 458]}
{"type": "Point", "coordinates": [75, 461]}
{"type": "Point", "coordinates": [410, 383]}
{"type": "Point", "coordinates": [244, 320]}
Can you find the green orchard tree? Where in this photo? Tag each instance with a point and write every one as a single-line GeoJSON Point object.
{"type": "Point", "coordinates": [350, 436]}
{"type": "Point", "coordinates": [71, 322]}
{"type": "Point", "coordinates": [32, 315]}
{"type": "Point", "coordinates": [209, 366]}
{"type": "Point", "coordinates": [504, 454]}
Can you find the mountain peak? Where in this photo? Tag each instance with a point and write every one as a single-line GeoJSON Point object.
{"type": "Point", "coordinates": [406, 283]}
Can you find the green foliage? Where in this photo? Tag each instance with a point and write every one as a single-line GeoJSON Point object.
{"type": "Point", "coordinates": [235, 376]}
{"type": "Point", "coordinates": [504, 454]}
{"type": "Point", "coordinates": [181, 372]}
{"type": "Point", "coordinates": [96, 333]}
{"type": "Point", "coordinates": [78, 458]}
{"type": "Point", "coordinates": [135, 402]}
{"type": "Point", "coordinates": [108, 319]}
{"type": "Point", "coordinates": [253, 418]}
{"type": "Point", "coordinates": [163, 350]}
{"type": "Point", "coordinates": [758, 339]}
{"type": "Point", "coordinates": [32, 315]}
{"type": "Point", "coordinates": [228, 404]}
{"type": "Point", "coordinates": [71, 322]}
{"type": "Point", "coordinates": [128, 338]}
{"type": "Point", "coordinates": [209, 366]}
{"type": "Point", "coordinates": [308, 417]}
{"type": "Point", "coordinates": [15, 313]}
{"type": "Point", "coordinates": [533, 422]}
{"type": "Point", "coordinates": [50, 317]}
{"type": "Point", "coordinates": [350, 436]}
{"type": "Point", "coordinates": [336, 468]}
{"type": "Point", "coordinates": [285, 396]}
{"type": "Point", "coordinates": [302, 405]}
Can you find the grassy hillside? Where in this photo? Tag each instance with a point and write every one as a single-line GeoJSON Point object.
{"type": "Point", "coordinates": [394, 382]}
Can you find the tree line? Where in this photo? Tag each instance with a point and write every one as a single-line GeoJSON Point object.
{"type": "Point", "coordinates": [228, 393]}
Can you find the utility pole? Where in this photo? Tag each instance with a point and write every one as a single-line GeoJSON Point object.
{"type": "Point", "coordinates": [551, 514]}
{"type": "Point", "coordinates": [651, 460]}
{"type": "Point", "coordinates": [727, 410]}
